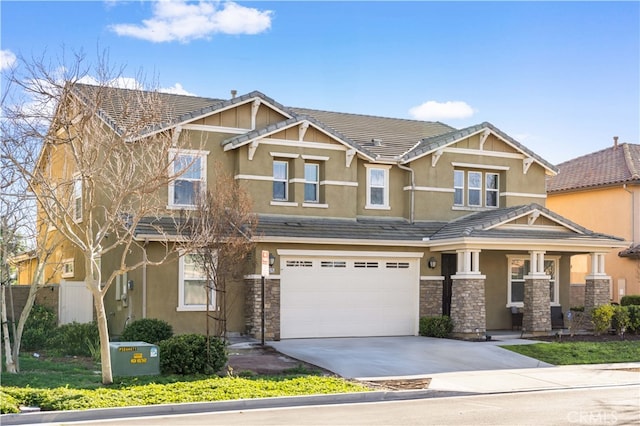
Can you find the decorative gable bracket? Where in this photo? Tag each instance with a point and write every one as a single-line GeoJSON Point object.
{"type": "Point", "coordinates": [350, 153]}
{"type": "Point", "coordinates": [533, 216]}
{"type": "Point", "coordinates": [483, 138]}
{"type": "Point", "coordinates": [526, 163]}
{"type": "Point", "coordinates": [252, 149]}
{"type": "Point", "coordinates": [436, 156]}
{"type": "Point", "coordinates": [254, 112]}
{"type": "Point", "coordinates": [302, 130]}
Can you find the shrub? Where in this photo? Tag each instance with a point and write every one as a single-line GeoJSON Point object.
{"type": "Point", "coordinates": [150, 330]}
{"type": "Point", "coordinates": [621, 319]}
{"type": "Point", "coordinates": [634, 318]}
{"type": "Point", "coordinates": [631, 299]}
{"type": "Point", "coordinates": [75, 339]}
{"type": "Point", "coordinates": [439, 326]}
{"type": "Point", "coordinates": [39, 328]}
{"type": "Point", "coordinates": [601, 318]}
{"type": "Point", "coordinates": [187, 354]}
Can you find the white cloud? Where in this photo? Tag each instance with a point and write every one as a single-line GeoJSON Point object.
{"type": "Point", "coordinates": [434, 110]}
{"type": "Point", "coordinates": [177, 89]}
{"type": "Point", "coordinates": [184, 22]}
{"type": "Point", "coordinates": [133, 84]}
{"type": "Point", "coordinates": [7, 59]}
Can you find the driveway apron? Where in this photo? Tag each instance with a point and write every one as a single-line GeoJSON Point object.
{"type": "Point", "coordinates": [369, 357]}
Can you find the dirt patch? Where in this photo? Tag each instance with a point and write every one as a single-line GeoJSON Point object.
{"type": "Point", "coordinates": [399, 384]}
{"type": "Point", "coordinates": [256, 359]}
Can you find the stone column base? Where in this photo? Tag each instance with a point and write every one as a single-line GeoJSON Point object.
{"type": "Point", "coordinates": [253, 308]}
{"type": "Point", "coordinates": [430, 298]}
{"type": "Point", "coordinates": [468, 311]}
{"type": "Point", "coordinates": [536, 316]}
{"type": "Point", "coordinates": [596, 292]}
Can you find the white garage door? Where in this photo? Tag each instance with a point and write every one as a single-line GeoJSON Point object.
{"type": "Point", "coordinates": [333, 295]}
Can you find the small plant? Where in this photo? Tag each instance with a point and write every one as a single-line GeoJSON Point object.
{"type": "Point", "coordinates": [150, 330]}
{"type": "Point", "coordinates": [439, 326]}
{"type": "Point", "coordinates": [576, 320]}
{"type": "Point", "coordinates": [187, 354]}
{"type": "Point", "coordinates": [621, 320]}
{"type": "Point", "coordinates": [94, 349]}
{"type": "Point", "coordinates": [601, 318]}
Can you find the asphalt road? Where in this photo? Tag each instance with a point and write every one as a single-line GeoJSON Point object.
{"type": "Point", "coordinates": [615, 405]}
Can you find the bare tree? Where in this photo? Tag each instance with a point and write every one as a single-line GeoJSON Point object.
{"type": "Point", "coordinates": [219, 233]}
{"type": "Point", "coordinates": [103, 164]}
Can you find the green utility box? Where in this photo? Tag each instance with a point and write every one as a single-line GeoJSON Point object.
{"type": "Point", "coordinates": [134, 359]}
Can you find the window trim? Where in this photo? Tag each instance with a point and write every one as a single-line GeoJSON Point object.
{"type": "Point", "coordinates": [182, 307]}
{"type": "Point", "coordinates": [70, 272]}
{"type": "Point", "coordinates": [556, 281]}
{"type": "Point", "coordinates": [461, 188]}
{"type": "Point", "coordinates": [173, 156]}
{"type": "Point", "coordinates": [478, 188]}
{"type": "Point", "coordinates": [385, 194]}
{"type": "Point", "coordinates": [487, 190]}
{"type": "Point", "coordinates": [316, 183]}
{"type": "Point", "coordinates": [285, 181]}
{"type": "Point", "coordinates": [466, 190]}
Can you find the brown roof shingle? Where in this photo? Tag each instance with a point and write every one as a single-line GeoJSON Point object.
{"type": "Point", "coordinates": [614, 165]}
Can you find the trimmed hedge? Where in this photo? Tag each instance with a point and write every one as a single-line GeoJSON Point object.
{"type": "Point", "coordinates": [438, 326]}
{"type": "Point", "coordinates": [150, 330]}
{"type": "Point", "coordinates": [187, 354]}
{"type": "Point", "coordinates": [631, 299]}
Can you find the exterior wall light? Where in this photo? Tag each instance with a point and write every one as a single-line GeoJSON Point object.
{"type": "Point", "coordinates": [272, 259]}
{"type": "Point", "coordinates": [432, 262]}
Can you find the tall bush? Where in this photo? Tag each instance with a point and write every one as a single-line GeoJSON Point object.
{"type": "Point", "coordinates": [187, 354]}
{"type": "Point", "coordinates": [437, 326]}
{"type": "Point", "coordinates": [150, 330]}
{"type": "Point", "coordinates": [601, 318]}
{"type": "Point", "coordinates": [75, 339]}
{"type": "Point", "coordinates": [39, 328]}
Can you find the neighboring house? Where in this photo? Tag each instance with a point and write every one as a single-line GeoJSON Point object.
{"type": "Point", "coordinates": [371, 222]}
{"type": "Point", "coordinates": [601, 190]}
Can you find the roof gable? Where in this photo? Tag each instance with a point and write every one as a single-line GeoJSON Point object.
{"type": "Point", "coordinates": [435, 144]}
{"type": "Point", "coordinates": [614, 165]}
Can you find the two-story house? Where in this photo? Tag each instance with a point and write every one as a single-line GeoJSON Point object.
{"type": "Point", "coordinates": [370, 222]}
{"type": "Point", "coordinates": [609, 179]}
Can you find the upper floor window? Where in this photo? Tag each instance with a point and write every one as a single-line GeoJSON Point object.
{"type": "Point", "coordinates": [311, 183]}
{"type": "Point", "coordinates": [193, 284]}
{"type": "Point", "coordinates": [67, 268]}
{"type": "Point", "coordinates": [519, 268]}
{"type": "Point", "coordinates": [77, 199]}
{"type": "Point", "coordinates": [477, 190]}
{"type": "Point", "coordinates": [189, 170]}
{"type": "Point", "coordinates": [280, 180]}
{"type": "Point", "coordinates": [377, 187]}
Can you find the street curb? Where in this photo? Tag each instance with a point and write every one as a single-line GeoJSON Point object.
{"type": "Point", "coordinates": [204, 407]}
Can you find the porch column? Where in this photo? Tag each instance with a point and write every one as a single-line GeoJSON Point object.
{"type": "Point", "coordinates": [536, 317]}
{"type": "Point", "coordinates": [468, 311]}
{"type": "Point", "coordinates": [596, 290]}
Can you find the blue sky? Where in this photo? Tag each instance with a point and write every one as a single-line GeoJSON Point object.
{"type": "Point", "coordinates": [562, 78]}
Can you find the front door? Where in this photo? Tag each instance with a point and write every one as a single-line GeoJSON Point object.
{"type": "Point", "coordinates": [449, 268]}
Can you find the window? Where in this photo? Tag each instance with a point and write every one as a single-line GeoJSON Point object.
{"type": "Point", "coordinates": [189, 169]}
{"type": "Point", "coordinates": [77, 199]}
{"type": "Point", "coordinates": [311, 183]}
{"type": "Point", "coordinates": [458, 187]}
{"type": "Point", "coordinates": [280, 180]}
{"type": "Point", "coordinates": [192, 290]}
{"type": "Point", "coordinates": [377, 187]}
{"type": "Point", "coordinates": [67, 268]}
{"type": "Point", "coordinates": [491, 190]}
{"type": "Point", "coordinates": [519, 267]}
{"type": "Point", "coordinates": [475, 189]}
{"type": "Point", "coordinates": [481, 189]}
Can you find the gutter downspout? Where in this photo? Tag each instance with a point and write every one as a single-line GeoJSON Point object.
{"type": "Point", "coordinates": [633, 214]}
{"type": "Point", "coordinates": [144, 279]}
{"type": "Point", "coordinates": [413, 191]}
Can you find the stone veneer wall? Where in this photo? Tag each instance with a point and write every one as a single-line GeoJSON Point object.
{"type": "Point", "coordinates": [468, 311]}
{"type": "Point", "coordinates": [576, 295]}
{"type": "Point", "coordinates": [596, 293]}
{"type": "Point", "coordinates": [430, 298]}
{"type": "Point", "coordinates": [253, 308]}
{"type": "Point", "coordinates": [536, 316]}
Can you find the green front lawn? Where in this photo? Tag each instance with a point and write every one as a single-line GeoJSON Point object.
{"type": "Point", "coordinates": [567, 353]}
{"type": "Point", "coordinates": [71, 386]}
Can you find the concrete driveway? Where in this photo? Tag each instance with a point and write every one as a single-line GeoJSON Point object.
{"type": "Point", "coordinates": [372, 357]}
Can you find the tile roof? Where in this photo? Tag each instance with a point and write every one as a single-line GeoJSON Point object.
{"type": "Point", "coordinates": [614, 165]}
{"type": "Point", "coordinates": [395, 136]}
{"type": "Point", "coordinates": [632, 252]}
